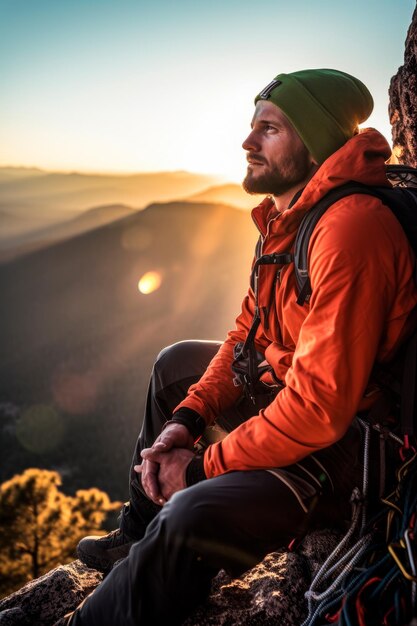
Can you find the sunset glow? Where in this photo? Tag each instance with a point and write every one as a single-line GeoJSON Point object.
{"type": "Point", "coordinates": [151, 281]}
{"type": "Point", "coordinates": [171, 86]}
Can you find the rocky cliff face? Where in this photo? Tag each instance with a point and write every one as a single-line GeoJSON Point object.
{"type": "Point", "coordinates": [403, 101]}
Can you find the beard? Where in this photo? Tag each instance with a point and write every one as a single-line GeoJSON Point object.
{"type": "Point", "coordinates": [280, 178]}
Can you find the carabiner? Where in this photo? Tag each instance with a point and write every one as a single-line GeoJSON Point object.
{"type": "Point", "coordinates": [392, 550]}
{"type": "Point", "coordinates": [406, 448]}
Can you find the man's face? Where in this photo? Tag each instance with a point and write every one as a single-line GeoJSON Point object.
{"type": "Point", "coordinates": [278, 161]}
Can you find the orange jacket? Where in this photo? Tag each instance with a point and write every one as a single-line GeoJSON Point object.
{"type": "Point", "coordinates": [363, 300]}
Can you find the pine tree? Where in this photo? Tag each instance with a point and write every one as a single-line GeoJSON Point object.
{"type": "Point", "coordinates": [40, 526]}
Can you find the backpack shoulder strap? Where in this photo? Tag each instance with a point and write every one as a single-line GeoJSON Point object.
{"type": "Point", "coordinates": [307, 227]}
{"type": "Point", "coordinates": [401, 198]}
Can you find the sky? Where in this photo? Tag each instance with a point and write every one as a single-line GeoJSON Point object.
{"type": "Point", "coordinates": [129, 86]}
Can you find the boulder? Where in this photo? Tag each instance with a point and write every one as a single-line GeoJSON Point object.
{"type": "Point", "coordinates": [270, 593]}
{"type": "Point", "coordinates": [44, 600]}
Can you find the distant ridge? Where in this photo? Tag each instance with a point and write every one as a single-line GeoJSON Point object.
{"type": "Point", "coordinates": [43, 237]}
{"type": "Point", "coordinates": [19, 172]}
{"type": "Point", "coordinates": [231, 194]}
{"type": "Point", "coordinates": [33, 201]}
{"type": "Point", "coordinates": [57, 191]}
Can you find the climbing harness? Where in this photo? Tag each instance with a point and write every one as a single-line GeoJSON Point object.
{"type": "Point", "coordinates": [247, 365]}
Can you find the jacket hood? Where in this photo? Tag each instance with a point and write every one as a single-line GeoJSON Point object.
{"type": "Point", "coordinates": [361, 159]}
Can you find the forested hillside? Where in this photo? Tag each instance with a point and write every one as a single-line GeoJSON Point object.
{"type": "Point", "coordinates": [79, 339]}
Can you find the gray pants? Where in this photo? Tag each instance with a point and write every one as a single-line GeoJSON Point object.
{"type": "Point", "coordinates": [231, 521]}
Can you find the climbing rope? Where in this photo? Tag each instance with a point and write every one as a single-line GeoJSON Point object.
{"type": "Point", "coordinates": [370, 578]}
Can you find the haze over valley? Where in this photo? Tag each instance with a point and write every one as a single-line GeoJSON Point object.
{"type": "Point", "coordinates": [89, 301]}
{"type": "Point", "coordinates": [39, 207]}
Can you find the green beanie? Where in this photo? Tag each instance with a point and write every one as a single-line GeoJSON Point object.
{"type": "Point", "coordinates": [324, 106]}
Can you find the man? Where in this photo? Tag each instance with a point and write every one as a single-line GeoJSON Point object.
{"type": "Point", "coordinates": [287, 448]}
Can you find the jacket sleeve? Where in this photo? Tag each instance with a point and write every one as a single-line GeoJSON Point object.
{"type": "Point", "coordinates": [361, 275]}
{"type": "Point", "coordinates": [215, 391]}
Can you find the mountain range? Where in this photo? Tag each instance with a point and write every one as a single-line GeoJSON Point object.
{"type": "Point", "coordinates": [56, 192]}
{"type": "Point", "coordinates": [79, 339]}
{"type": "Point", "coordinates": [38, 208]}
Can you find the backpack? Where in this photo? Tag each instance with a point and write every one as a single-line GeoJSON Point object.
{"type": "Point", "coordinates": [401, 198]}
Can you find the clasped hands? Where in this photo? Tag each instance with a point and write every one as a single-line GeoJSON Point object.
{"type": "Point", "coordinates": [164, 464]}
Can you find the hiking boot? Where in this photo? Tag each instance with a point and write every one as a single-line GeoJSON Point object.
{"type": "Point", "coordinates": [101, 553]}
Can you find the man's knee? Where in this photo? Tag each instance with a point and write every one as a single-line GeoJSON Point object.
{"type": "Point", "coordinates": [183, 512]}
{"type": "Point", "coordinates": [170, 354]}
{"type": "Point", "coordinates": [192, 522]}
{"type": "Point", "coordinates": [186, 519]}
{"type": "Point", "coordinates": [184, 359]}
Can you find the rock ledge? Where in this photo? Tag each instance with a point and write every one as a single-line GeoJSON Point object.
{"type": "Point", "coordinates": [271, 593]}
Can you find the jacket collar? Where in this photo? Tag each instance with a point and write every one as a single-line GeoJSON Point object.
{"type": "Point", "coordinates": [361, 159]}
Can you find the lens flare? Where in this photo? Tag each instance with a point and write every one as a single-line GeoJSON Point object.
{"type": "Point", "coordinates": [151, 281]}
{"type": "Point", "coordinates": [40, 429]}
{"type": "Point", "coordinates": [75, 392]}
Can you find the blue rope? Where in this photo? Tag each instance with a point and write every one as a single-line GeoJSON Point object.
{"type": "Point", "coordinates": [392, 593]}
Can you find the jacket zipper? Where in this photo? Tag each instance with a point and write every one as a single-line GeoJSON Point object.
{"type": "Point", "coordinates": [265, 310]}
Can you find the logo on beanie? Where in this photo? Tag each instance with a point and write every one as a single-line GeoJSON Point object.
{"type": "Point", "coordinates": [266, 92]}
